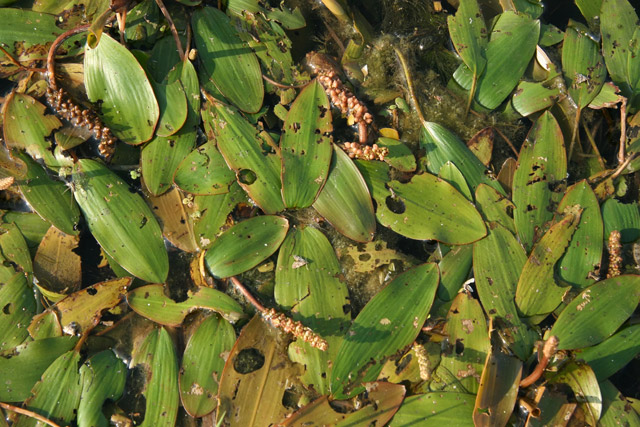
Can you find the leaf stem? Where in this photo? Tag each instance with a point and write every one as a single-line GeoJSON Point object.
{"type": "Point", "coordinates": [410, 87]}
{"type": "Point", "coordinates": [174, 30]}
{"type": "Point", "coordinates": [28, 413]}
{"type": "Point", "coordinates": [54, 47]}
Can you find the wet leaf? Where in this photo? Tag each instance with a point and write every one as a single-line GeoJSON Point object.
{"type": "Point", "coordinates": [151, 302]}
{"type": "Point", "coordinates": [27, 127]}
{"type": "Point", "coordinates": [202, 364]}
{"type": "Point", "coordinates": [450, 173]}
{"type": "Point", "coordinates": [57, 395]}
{"type": "Point", "coordinates": [257, 366]}
{"type": "Point", "coordinates": [158, 357]}
{"type": "Point", "coordinates": [442, 146]}
{"type": "Point", "coordinates": [597, 312]}
{"type": "Point", "coordinates": [32, 227]}
{"type": "Point", "coordinates": [580, 265]}
{"type": "Point", "coordinates": [542, 163]}
{"type": "Point", "coordinates": [537, 291]}
{"type": "Point", "coordinates": [389, 322]}
{"type": "Point", "coordinates": [103, 377]}
{"type": "Point", "coordinates": [272, 47]}
{"type": "Point", "coordinates": [27, 363]}
{"type": "Point", "coordinates": [584, 384]}
{"type": "Point", "coordinates": [306, 147]}
{"type": "Point", "coordinates": [161, 156]}
{"type": "Point", "coordinates": [245, 245]}
{"type": "Point", "coordinates": [533, 97]}
{"type": "Point", "coordinates": [481, 144]}
{"type": "Point", "coordinates": [204, 172]}
{"type": "Point", "coordinates": [308, 285]}
{"type": "Point", "coordinates": [344, 200]}
{"type": "Point", "coordinates": [82, 310]}
{"type": "Point", "coordinates": [554, 408]}
{"type": "Point", "coordinates": [442, 407]}
{"type": "Point", "coordinates": [383, 400]}
{"type": "Point", "coordinates": [498, 386]}
{"type": "Point", "coordinates": [121, 221]}
{"type": "Point", "coordinates": [613, 353]}
{"type": "Point", "coordinates": [51, 199]}
{"type": "Point", "coordinates": [14, 249]}
{"type": "Point", "coordinates": [430, 208]}
{"type": "Point", "coordinates": [17, 306]}
{"type": "Point", "coordinates": [114, 76]}
{"type": "Point", "coordinates": [258, 171]}
{"type": "Point", "coordinates": [236, 75]}
{"type": "Point", "coordinates": [56, 265]}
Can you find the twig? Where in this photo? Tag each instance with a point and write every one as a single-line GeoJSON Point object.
{"type": "Point", "coordinates": [623, 130]}
{"type": "Point", "coordinates": [503, 136]}
{"type": "Point", "coordinates": [54, 47]}
{"type": "Point", "coordinates": [19, 65]}
{"type": "Point", "coordinates": [282, 85]}
{"type": "Point", "coordinates": [28, 413]}
{"type": "Point", "coordinates": [407, 76]}
{"type": "Point", "coordinates": [623, 165]}
{"type": "Point", "coordinates": [548, 350]}
{"type": "Point", "coordinates": [174, 30]}
{"type": "Point", "coordinates": [594, 147]}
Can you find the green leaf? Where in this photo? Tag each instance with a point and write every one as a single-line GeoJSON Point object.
{"type": "Point", "coordinates": [50, 198]}
{"type": "Point", "coordinates": [32, 227]}
{"type": "Point", "coordinates": [306, 147]}
{"type": "Point", "coordinates": [27, 127]}
{"type": "Point", "coordinates": [245, 245]}
{"type": "Point", "coordinates": [399, 156]}
{"type": "Point", "coordinates": [622, 217]}
{"type": "Point", "coordinates": [258, 171]}
{"type": "Point", "coordinates": [613, 353]}
{"type": "Point", "coordinates": [580, 264]}
{"type": "Point", "coordinates": [14, 248]}
{"type": "Point", "coordinates": [537, 291]}
{"type": "Point", "coordinates": [616, 410]}
{"type": "Point", "coordinates": [161, 156]}
{"type": "Point", "coordinates": [442, 407]}
{"type": "Point", "coordinates": [228, 61]}
{"type": "Point", "coordinates": [204, 171]}
{"type": "Point", "coordinates": [590, 9]}
{"type": "Point", "coordinates": [584, 384]}
{"type": "Point", "coordinates": [430, 208]}
{"type": "Point", "coordinates": [582, 64]}
{"type": "Point", "coordinates": [450, 173]}
{"type": "Point", "coordinates": [597, 312]}
{"type": "Point", "coordinates": [158, 357]}
{"type": "Point", "coordinates": [454, 269]}
{"type": "Point", "coordinates": [344, 200]}
{"type": "Point", "coordinates": [495, 207]}
{"type": "Point", "coordinates": [308, 284]}
{"type": "Point", "coordinates": [511, 33]}
{"type": "Point", "coordinates": [121, 221]}
{"type": "Point", "coordinates": [151, 302]}
{"type": "Point", "coordinates": [114, 77]}
{"type": "Point", "coordinates": [532, 97]}
{"type": "Point", "coordinates": [214, 211]}
{"type": "Point", "coordinates": [442, 146]}
{"type": "Point", "coordinates": [18, 306]}
{"type": "Point", "coordinates": [57, 395]}
{"type": "Point", "coordinates": [103, 377]}
{"type": "Point", "coordinates": [542, 162]}
{"type": "Point", "coordinates": [23, 367]}
{"type": "Point", "coordinates": [202, 364]}
{"type": "Point", "coordinates": [389, 322]}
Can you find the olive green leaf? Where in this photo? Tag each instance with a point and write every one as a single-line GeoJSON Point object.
{"type": "Point", "coordinates": [442, 407]}
{"type": "Point", "coordinates": [450, 173]}
{"type": "Point", "coordinates": [442, 146]}
{"type": "Point", "coordinates": [481, 144]}
{"type": "Point", "coordinates": [31, 225]}
{"type": "Point", "coordinates": [344, 200]}
{"type": "Point", "coordinates": [307, 284]}
{"type": "Point", "coordinates": [204, 171]}
{"type": "Point", "coordinates": [533, 97]}
{"type": "Point", "coordinates": [158, 357]}
{"type": "Point", "coordinates": [103, 377]}
{"type": "Point", "coordinates": [623, 217]}
{"type": "Point", "coordinates": [389, 322]}
{"type": "Point", "coordinates": [245, 245]}
{"type": "Point", "coordinates": [213, 212]}
{"type": "Point", "coordinates": [430, 208]}
{"type": "Point", "coordinates": [613, 353]}
{"type": "Point", "coordinates": [151, 302]}
{"type": "Point", "coordinates": [56, 265]}
{"type": "Point", "coordinates": [176, 219]}
{"type": "Point", "coordinates": [384, 400]}
{"type": "Point", "coordinates": [554, 409]}
{"type": "Point", "coordinates": [597, 312]}
{"type": "Point", "coordinates": [18, 306]}
{"type": "Point", "coordinates": [257, 170]}
{"type": "Point", "coordinates": [14, 249]}
{"type": "Point", "coordinates": [495, 207]}
{"type": "Point", "coordinates": [499, 385]}
{"type": "Point", "coordinates": [542, 163]}
{"type": "Point", "coordinates": [511, 33]}
{"type": "Point", "coordinates": [615, 408]}
{"type": "Point", "coordinates": [399, 156]}
{"type": "Point", "coordinates": [590, 9]}
{"type": "Point", "coordinates": [21, 368]}
{"type": "Point", "coordinates": [161, 157]}
{"type": "Point", "coordinates": [50, 198]}
{"type": "Point", "coordinates": [202, 364]}
{"type": "Point", "coordinates": [272, 47]}
{"type": "Point", "coordinates": [537, 291]}
{"type": "Point", "coordinates": [229, 62]}
{"type": "Point", "coordinates": [114, 77]}
{"type": "Point", "coordinates": [583, 382]}
{"type": "Point", "coordinates": [121, 221]}
{"type": "Point", "coordinates": [306, 147]}
{"type": "Point", "coordinates": [141, 22]}
{"type": "Point", "coordinates": [580, 265]}
{"type": "Point", "coordinates": [57, 395]}
{"type": "Point", "coordinates": [454, 269]}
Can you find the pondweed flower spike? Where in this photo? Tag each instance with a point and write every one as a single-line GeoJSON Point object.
{"type": "Point", "coordinates": [615, 259]}
{"type": "Point", "coordinates": [281, 321]}
{"type": "Point", "coordinates": [423, 361]}
{"type": "Point", "coordinates": [548, 350]}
